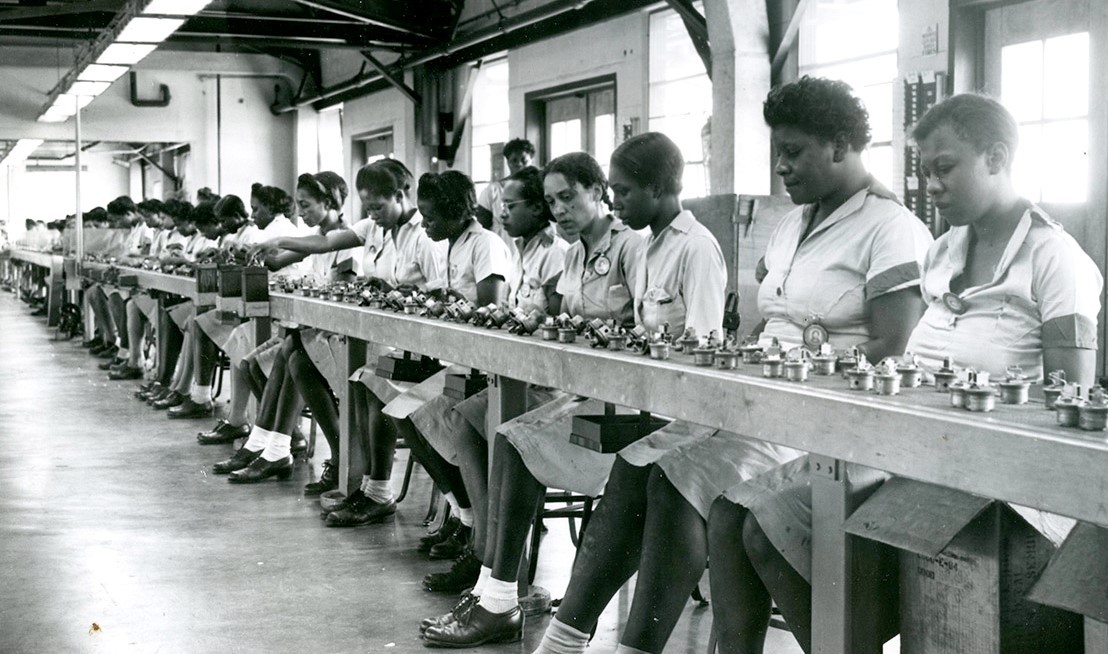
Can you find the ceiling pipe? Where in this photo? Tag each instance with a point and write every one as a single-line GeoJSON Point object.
{"type": "Point", "coordinates": [503, 27]}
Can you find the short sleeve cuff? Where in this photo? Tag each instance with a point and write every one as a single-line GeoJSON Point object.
{"type": "Point", "coordinates": [905, 275]}
{"type": "Point", "coordinates": [1074, 330]}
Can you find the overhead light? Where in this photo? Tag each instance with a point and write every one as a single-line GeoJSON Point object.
{"type": "Point", "coordinates": [55, 115]}
{"type": "Point", "coordinates": [175, 7]}
{"type": "Point", "coordinates": [20, 151]}
{"type": "Point", "coordinates": [67, 100]}
{"type": "Point", "coordinates": [88, 89]}
{"type": "Point", "coordinates": [101, 73]}
{"type": "Point", "coordinates": [125, 54]}
{"type": "Point", "coordinates": [148, 30]}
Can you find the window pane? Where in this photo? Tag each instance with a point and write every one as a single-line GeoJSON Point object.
{"type": "Point", "coordinates": [1065, 161]}
{"type": "Point", "coordinates": [490, 94]}
{"type": "Point", "coordinates": [879, 102]}
{"type": "Point", "coordinates": [1066, 76]}
{"type": "Point", "coordinates": [1027, 168]}
{"type": "Point", "coordinates": [672, 55]}
{"type": "Point", "coordinates": [480, 169]}
{"type": "Point", "coordinates": [685, 132]}
{"type": "Point", "coordinates": [834, 30]}
{"type": "Point", "coordinates": [1021, 80]}
{"type": "Point", "coordinates": [565, 137]}
{"type": "Point", "coordinates": [604, 135]}
{"type": "Point", "coordinates": [879, 162]}
{"type": "Point", "coordinates": [694, 181]}
{"type": "Point", "coordinates": [691, 96]}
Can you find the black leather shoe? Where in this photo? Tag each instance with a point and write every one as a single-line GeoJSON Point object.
{"type": "Point", "coordinates": [452, 547]}
{"type": "Point", "coordinates": [350, 501]}
{"type": "Point", "coordinates": [261, 470]}
{"type": "Point", "coordinates": [92, 342]}
{"type": "Point", "coordinates": [299, 443]}
{"type": "Point", "coordinates": [146, 390]}
{"type": "Point", "coordinates": [462, 575]}
{"type": "Point", "coordinates": [110, 352]}
{"type": "Point", "coordinates": [127, 372]}
{"type": "Point", "coordinates": [461, 609]}
{"type": "Point", "coordinates": [189, 409]}
{"type": "Point", "coordinates": [224, 432]}
{"type": "Point", "coordinates": [328, 481]}
{"type": "Point", "coordinates": [477, 628]}
{"type": "Point", "coordinates": [172, 399]}
{"type": "Point", "coordinates": [158, 395]}
{"type": "Point", "coordinates": [367, 512]}
{"type": "Point", "coordinates": [113, 363]}
{"type": "Point", "coordinates": [449, 526]}
{"type": "Point", "coordinates": [239, 460]}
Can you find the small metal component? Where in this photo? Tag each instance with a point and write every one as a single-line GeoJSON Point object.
{"type": "Point", "coordinates": [1014, 387]}
{"type": "Point", "coordinates": [945, 376]}
{"type": "Point", "coordinates": [567, 334]}
{"type": "Point", "coordinates": [704, 356]}
{"type": "Point", "coordinates": [1093, 416]}
{"type": "Point", "coordinates": [659, 350]}
{"type": "Point", "coordinates": [772, 366]}
{"type": "Point", "coordinates": [861, 379]}
{"type": "Point", "coordinates": [824, 362]}
{"type": "Point", "coordinates": [1052, 392]}
{"type": "Point", "coordinates": [688, 342]}
{"type": "Point", "coordinates": [911, 375]}
{"type": "Point", "coordinates": [751, 353]}
{"type": "Point", "coordinates": [981, 397]}
{"type": "Point", "coordinates": [549, 332]}
{"type": "Point", "coordinates": [886, 378]}
{"type": "Point", "coordinates": [849, 361]}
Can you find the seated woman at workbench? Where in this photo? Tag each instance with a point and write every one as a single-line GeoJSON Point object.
{"type": "Point", "coordinates": [273, 438]}
{"type": "Point", "coordinates": [123, 215]}
{"type": "Point", "coordinates": [533, 450]}
{"type": "Point", "coordinates": [270, 209]}
{"type": "Point", "coordinates": [478, 268]}
{"type": "Point", "coordinates": [396, 252]}
{"type": "Point", "coordinates": [206, 239]}
{"type": "Point", "coordinates": [212, 335]}
{"type": "Point", "coordinates": [1006, 286]}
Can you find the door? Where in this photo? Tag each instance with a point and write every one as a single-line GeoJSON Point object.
{"type": "Point", "coordinates": [1040, 59]}
{"type": "Point", "coordinates": [582, 121]}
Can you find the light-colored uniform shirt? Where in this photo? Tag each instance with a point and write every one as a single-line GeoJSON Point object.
{"type": "Point", "coordinates": [536, 266]}
{"type": "Point", "coordinates": [599, 284]}
{"type": "Point", "coordinates": [408, 257]}
{"type": "Point", "coordinates": [196, 244]}
{"type": "Point", "coordinates": [682, 279]}
{"type": "Point", "coordinates": [280, 227]}
{"type": "Point", "coordinates": [869, 246]}
{"type": "Point", "coordinates": [1044, 293]}
{"type": "Point", "coordinates": [157, 241]}
{"type": "Point", "coordinates": [492, 199]}
{"type": "Point", "coordinates": [476, 255]}
{"type": "Point", "coordinates": [328, 266]}
{"type": "Point", "coordinates": [137, 239]}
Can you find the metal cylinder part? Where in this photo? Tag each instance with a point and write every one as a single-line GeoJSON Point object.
{"type": "Point", "coordinates": [887, 384]}
{"type": "Point", "coordinates": [860, 380]}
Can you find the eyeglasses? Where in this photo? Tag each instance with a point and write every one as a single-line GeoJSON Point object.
{"type": "Point", "coordinates": [509, 205]}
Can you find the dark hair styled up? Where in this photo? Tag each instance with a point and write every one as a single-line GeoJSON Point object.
{"type": "Point", "coordinates": [179, 209]}
{"type": "Point", "coordinates": [96, 214]}
{"type": "Point", "coordinates": [451, 192]}
{"type": "Point", "coordinates": [231, 206]}
{"type": "Point", "coordinates": [150, 206]}
{"type": "Point", "coordinates": [519, 146]}
{"type": "Point", "coordinates": [530, 179]}
{"type": "Point", "coordinates": [821, 107]}
{"type": "Point", "coordinates": [977, 119]}
{"type": "Point", "coordinates": [580, 168]}
{"type": "Point", "coordinates": [326, 187]}
{"type": "Point", "coordinates": [274, 199]}
{"type": "Point", "coordinates": [384, 178]}
{"type": "Point", "coordinates": [121, 206]}
{"type": "Point", "coordinates": [203, 214]}
{"type": "Point", "coordinates": [653, 159]}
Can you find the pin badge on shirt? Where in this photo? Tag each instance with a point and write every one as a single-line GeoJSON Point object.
{"type": "Point", "coordinates": [956, 304]}
{"type": "Point", "coordinates": [815, 335]}
{"type": "Point", "coordinates": [602, 265]}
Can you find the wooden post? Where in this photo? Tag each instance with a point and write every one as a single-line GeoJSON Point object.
{"type": "Point", "coordinates": [351, 458]}
{"type": "Point", "coordinates": [55, 292]}
{"type": "Point", "coordinates": [1096, 636]}
{"type": "Point", "coordinates": [507, 399]}
{"type": "Point", "coordinates": [831, 560]}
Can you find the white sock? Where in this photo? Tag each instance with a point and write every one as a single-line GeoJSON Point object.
{"type": "Point", "coordinates": [627, 649]}
{"type": "Point", "coordinates": [378, 490]}
{"type": "Point", "coordinates": [560, 638]}
{"type": "Point", "coordinates": [482, 578]}
{"type": "Point", "coordinates": [499, 596]}
{"type": "Point", "coordinates": [365, 480]}
{"type": "Point", "coordinates": [280, 446]}
{"type": "Point", "coordinates": [452, 501]}
{"type": "Point", "coordinates": [201, 394]}
{"type": "Point", "coordinates": [466, 516]}
{"type": "Point", "coordinates": [258, 439]}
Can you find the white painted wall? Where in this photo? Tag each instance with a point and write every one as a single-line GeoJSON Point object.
{"type": "Point", "coordinates": [51, 195]}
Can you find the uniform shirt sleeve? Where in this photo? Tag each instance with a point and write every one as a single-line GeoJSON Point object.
{"type": "Point", "coordinates": [488, 195]}
{"type": "Point", "coordinates": [632, 258]}
{"type": "Point", "coordinates": [704, 287]}
{"type": "Point", "coordinates": [572, 256]}
{"type": "Point", "coordinates": [898, 248]}
{"type": "Point", "coordinates": [553, 264]}
{"type": "Point", "coordinates": [432, 261]}
{"type": "Point", "coordinates": [491, 257]}
{"type": "Point", "coordinates": [1066, 286]}
{"type": "Point", "coordinates": [362, 229]}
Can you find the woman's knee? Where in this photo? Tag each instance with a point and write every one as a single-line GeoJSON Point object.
{"type": "Point", "coordinates": [757, 544]}
{"type": "Point", "coordinates": [725, 523]}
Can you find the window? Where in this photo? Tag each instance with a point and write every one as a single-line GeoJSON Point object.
{"type": "Point", "coordinates": [329, 138]}
{"type": "Point", "coordinates": [1045, 84]}
{"type": "Point", "coordinates": [856, 41]}
{"type": "Point", "coordinates": [583, 121]}
{"type": "Point", "coordinates": [490, 122]}
{"type": "Point", "coordinates": [680, 94]}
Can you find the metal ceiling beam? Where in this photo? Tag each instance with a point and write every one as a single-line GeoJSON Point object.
{"type": "Point", "coordinates": [392, 78]}
{"type": "Point", "coordinates": [342, 10]}
{"type": "Point", "coordinates": [110, 6]}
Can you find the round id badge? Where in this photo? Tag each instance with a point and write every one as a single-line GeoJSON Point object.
{"type": "Point", "coordinates": [956, 304]}
{"type": "Point", "coordinates": [602, 265]}
{"type": "Point", "coordinates": [815, 335]}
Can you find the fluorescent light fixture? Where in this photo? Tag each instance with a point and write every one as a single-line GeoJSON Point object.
{"type": "Point", "coordinates": [90, 89]}
{"type": "Point", "coordinates": [22, 149]}
{"type": "Point", "coordinates": [149, 30]}
{"type": "Point", "coordinates": [55, 115]}
{"type": "Point", "coordinates": [175, 7]}
{"type": "Point", "coordinates": [125, 54]}
{"type": "Point", "coordinates": [101, 73]}
{"type": "Point", "coordinates": [66, 100]}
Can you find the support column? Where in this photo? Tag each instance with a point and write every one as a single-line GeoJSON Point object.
{"type": "Point", "coordinates": [351, 458]}
{"type": "Point", "coordinates": [740, 143]}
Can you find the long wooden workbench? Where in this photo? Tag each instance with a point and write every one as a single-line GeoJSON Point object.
{"type": "Point", "coordinates": [55, 285]}
{"type": "Point", "coordinates": [1016, 453]}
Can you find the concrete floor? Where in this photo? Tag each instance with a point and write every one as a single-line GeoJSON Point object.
{"type": "Point", "coordinates": [109, 515]}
